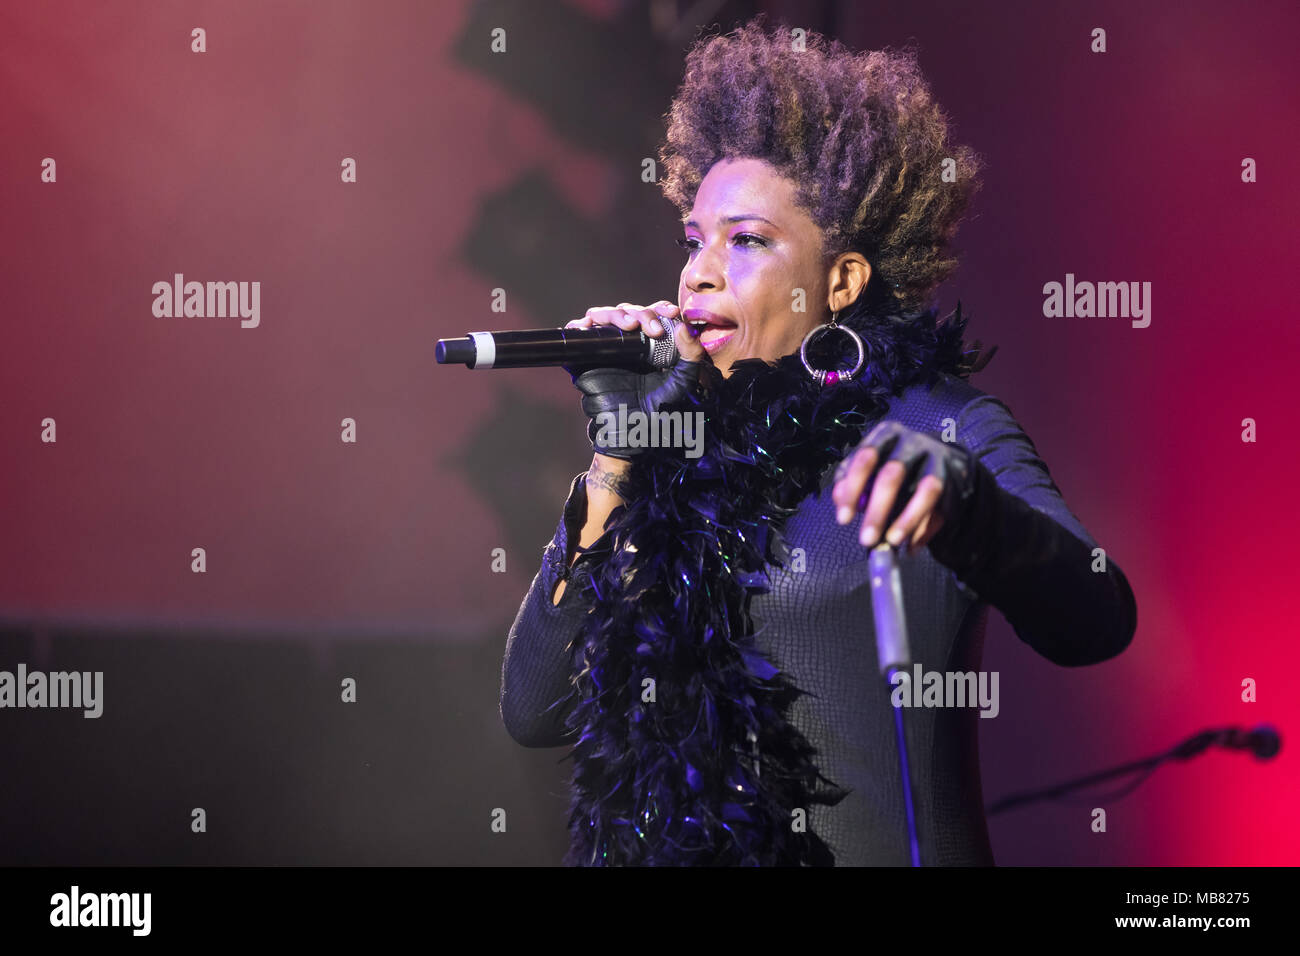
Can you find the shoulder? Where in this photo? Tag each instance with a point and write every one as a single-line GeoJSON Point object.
{"type": "Point", "coordinates": [952, 409]}
{"type": "Point", "coordinates": [937, 405]}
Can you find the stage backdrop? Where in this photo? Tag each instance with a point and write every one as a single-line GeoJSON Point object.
{"type": "Point", "coordinates": [232, 516]}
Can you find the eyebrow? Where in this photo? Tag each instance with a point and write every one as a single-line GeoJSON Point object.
{"type": "Point", "coordinates": [733, 219]}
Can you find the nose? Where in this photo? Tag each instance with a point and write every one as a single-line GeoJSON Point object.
{"type": "Point", "coordinates": [702, 272]}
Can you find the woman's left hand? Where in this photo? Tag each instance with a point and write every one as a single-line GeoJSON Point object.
{"type": "Point", "coordinates": [892, 464]}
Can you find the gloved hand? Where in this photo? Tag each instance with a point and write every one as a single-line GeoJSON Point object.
{"type": "Point", "coordinates": [1002, 550]}
{"type": "Point", "coordinates": [605, 389]}
{"type": "Point", "coordinates": [909, 484]}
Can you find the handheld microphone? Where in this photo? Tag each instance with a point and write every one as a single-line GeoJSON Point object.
{"type": "Point", "coordinates": [604, 347]}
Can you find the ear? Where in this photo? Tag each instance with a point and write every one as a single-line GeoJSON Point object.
{"type": "Point", "coordinates": [848, 276]}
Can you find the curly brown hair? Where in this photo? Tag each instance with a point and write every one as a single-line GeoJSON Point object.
{"type": "Point", "coordinates": [859, 135]}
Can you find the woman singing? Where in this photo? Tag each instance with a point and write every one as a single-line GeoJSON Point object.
{"type": "Point", "coordinates": [701, 628]}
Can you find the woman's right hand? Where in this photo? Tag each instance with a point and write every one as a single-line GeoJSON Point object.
{"type": "Point", "coordinates": [644, 318]}
{"type": "Point", "coordinates": [605, 389]}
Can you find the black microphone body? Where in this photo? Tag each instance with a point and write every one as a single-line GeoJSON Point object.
{"type": "Point", "coordinates": [603, 347]}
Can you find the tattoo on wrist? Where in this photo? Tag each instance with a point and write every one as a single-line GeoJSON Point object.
{"type": "Point", "coordinates": [598, 477]}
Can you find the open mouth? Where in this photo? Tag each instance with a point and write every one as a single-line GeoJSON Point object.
{"type": "Point", "coordinates": [713, 330]}
{"type": "Point", "coordinates": [713, 338]}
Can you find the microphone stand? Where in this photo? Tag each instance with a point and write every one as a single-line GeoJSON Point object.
{"type": "Point", "coordinates": [894, 654]}
{"type": "Point", "coordinates": [1233, 737]}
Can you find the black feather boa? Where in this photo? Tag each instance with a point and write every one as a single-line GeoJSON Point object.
{"type": "Point", "coordinates": [710, 771]}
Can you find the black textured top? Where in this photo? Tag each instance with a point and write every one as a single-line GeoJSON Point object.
{"type": "Point", "coordinates": [1019, 549]}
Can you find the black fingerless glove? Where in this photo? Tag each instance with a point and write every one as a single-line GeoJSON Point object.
{"type": "Point", "coordinates": [922, 455]}
{"type": "Point", "coordinates": [605, 389]}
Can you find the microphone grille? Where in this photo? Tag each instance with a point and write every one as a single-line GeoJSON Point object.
{"type": "Point", "coordinates": [663, 350]}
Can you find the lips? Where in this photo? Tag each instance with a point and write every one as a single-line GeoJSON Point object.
{"type": "Point", "coordinates": [714, 330]}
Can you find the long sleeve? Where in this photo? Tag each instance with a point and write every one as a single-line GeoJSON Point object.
{"type": "Point", "coordinates": [535, 672]}
{"type": "Point", "coordinates": [1019, 548]}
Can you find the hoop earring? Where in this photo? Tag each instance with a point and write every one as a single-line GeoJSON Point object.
{"type": "Point", "coordinates": [824, 377]}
